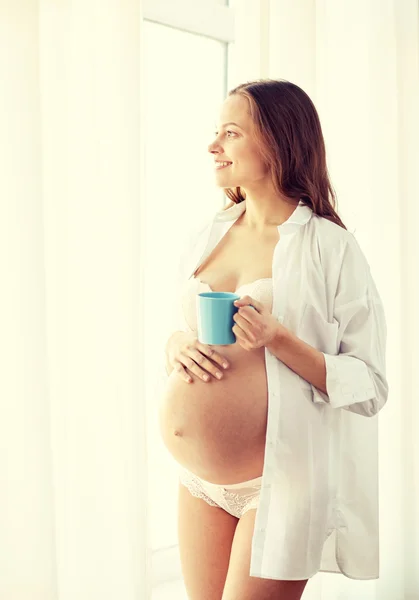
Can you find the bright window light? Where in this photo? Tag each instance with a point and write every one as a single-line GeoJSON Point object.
{"type": "Point", "coordinates": [185, 77]}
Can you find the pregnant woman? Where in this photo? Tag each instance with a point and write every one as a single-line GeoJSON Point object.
{"type": "Point", "coordinates": [276, 447]}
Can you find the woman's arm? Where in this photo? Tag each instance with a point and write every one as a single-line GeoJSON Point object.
{"type": "Point", "coordinates": [355, 377]}
{"type": "Point", "coordinates": [303, 359]}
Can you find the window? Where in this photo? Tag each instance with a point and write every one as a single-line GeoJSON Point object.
{"type": "Point", "coordinates": [185, 81]}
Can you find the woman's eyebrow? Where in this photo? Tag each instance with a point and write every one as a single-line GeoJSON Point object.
{"type": "Point", "coordinates": [230, 123]}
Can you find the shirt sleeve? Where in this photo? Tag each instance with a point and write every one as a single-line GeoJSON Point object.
{"type": "Point", "coordinates": [356, 376]}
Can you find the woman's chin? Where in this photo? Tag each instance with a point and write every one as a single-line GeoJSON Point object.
{"type": "Point", "coordinates": [225, 182]}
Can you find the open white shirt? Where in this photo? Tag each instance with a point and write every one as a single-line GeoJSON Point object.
{"type": "Point", "coordinates": [318, 508]}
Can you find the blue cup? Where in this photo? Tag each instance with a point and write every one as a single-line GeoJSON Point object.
{"type": "Point", "coordinates": [215, 311]}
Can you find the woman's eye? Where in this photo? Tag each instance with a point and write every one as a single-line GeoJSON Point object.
{"type": "Point", "coordinates": [228, 131]}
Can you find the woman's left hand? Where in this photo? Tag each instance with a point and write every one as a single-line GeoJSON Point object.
{"type": "Point", "coordinates": [254, 328]}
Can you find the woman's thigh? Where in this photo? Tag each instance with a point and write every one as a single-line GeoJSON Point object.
{"type": "Point", "coordinates": [205, 536]}
{"type": "Point", "coordinates": [239, 584]}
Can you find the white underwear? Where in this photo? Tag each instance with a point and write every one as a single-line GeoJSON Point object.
{"type": "Point", "coordinates": [236, 498]}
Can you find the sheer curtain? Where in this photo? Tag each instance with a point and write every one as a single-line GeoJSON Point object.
{"type": "Point", "coordinates": [358, 61]}
{"type": "Point", "coordinates": [73, 475]}
{"type": "Point", "coordinates": [72, 425]}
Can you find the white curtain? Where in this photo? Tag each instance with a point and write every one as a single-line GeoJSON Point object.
{"type": "Point", "coordinates": [72, 425]}
{"type": "Point", "coordinates": [358, 61]}
{"type": "Point", "coordinates": [73, 480]}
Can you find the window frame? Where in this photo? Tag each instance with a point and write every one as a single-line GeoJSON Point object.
{"type": "Point", "coordinates": [212, 19]}
{"type": "Point", "coordinates": [202, 17]}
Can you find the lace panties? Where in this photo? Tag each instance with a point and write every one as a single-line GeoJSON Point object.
{"type": "Point", "coordinates": [236, 498]}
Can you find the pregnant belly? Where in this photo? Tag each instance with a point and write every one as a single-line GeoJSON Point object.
{"type": "Point", "coordinates": [217, 430]}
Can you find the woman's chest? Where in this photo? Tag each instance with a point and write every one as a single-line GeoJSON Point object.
{"type": "Point", "coordinates": [239, 258]}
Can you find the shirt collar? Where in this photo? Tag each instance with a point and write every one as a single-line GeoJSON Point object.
{"type": "Point", "coordinates": [300, 216]}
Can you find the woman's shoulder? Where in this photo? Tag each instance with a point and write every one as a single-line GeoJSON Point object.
{"type": "Point", "coordinates": [332, 234]}
{"type": "Point", "coordinates": [337, 246]}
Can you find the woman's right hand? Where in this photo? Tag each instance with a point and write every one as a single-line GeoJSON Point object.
{"type": "Point", "coordinates": [187, 356]}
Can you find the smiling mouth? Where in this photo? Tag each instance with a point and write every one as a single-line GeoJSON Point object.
{"type": "Point", "coordinates": [224, 165]}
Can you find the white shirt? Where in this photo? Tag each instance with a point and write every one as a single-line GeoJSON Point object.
{"type": "Point", "coordinates": [318, 508]}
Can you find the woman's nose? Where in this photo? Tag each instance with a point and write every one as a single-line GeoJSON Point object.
{"type": "Point", "coordinates": [214, 147]}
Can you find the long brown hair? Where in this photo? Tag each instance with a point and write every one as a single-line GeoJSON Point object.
{"type": "Point", "coordinates": [291, 141]}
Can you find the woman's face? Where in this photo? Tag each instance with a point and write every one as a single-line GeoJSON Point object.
{"type": "Point", "coordinates": [235, 143]}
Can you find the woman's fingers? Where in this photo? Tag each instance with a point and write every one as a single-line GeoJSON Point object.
{"type": "Point", "coordinates": [190, 357]}
{"type": "Point", "coordinates": [182, 372]}
{"type": "Point", "coordinates": [204, 365]}
{"type": "Point", "coordinates": [215, 356]}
